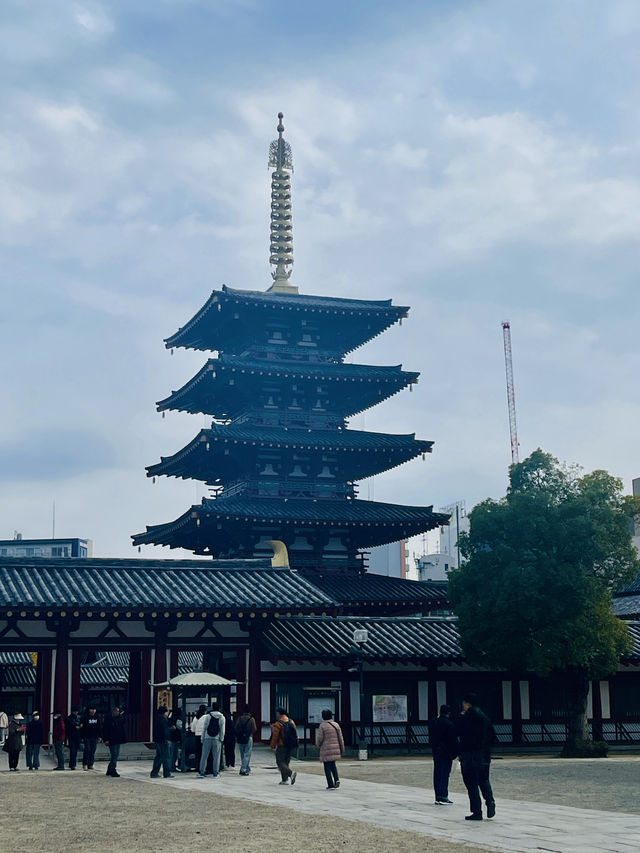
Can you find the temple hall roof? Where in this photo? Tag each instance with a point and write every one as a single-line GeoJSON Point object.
{"type": "Point", "coordinates": [229, 319]}
{"type": "Point", "coordinates": [121, 583]}
{"type": "Point", "coordinates": [372, 589]}
{"type": "Point", "coordinates": [393, 639]}
{"type": "Point", "coordinates": [361, 454]}
{"type": "Point", "coordinates": [226, 387]}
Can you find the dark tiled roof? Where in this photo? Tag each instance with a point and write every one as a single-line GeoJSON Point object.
{"type": "Point", "coordinates": [369, 523]}
{"type": "Point", "coordinates": [104, 675]}
{"type": "Point", "coordinates": [390, 639]}
{"type": "Point", "coordinates": [634, 586]}
{"type": "Point", "coordinates": [362, 454]}
{"type": "Point", "coordinates": [355, 387]}
{"type": "Point", "coordinates": [376, 589]}
{"type": "Point", "coordinates": [149, 583]}
{"type": "Point", "coordinates": [15, 658]}
{"type": "Point", "coordinates": [634, 654]}
{"type": "Point", "coordinates": [211, 329]}
{"type": "Point", "coordinates": [21, 677]}
{"type": "Point", "coordinates": [627, 606]}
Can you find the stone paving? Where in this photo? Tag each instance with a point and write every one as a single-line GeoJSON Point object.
{"type": "Point", "coordinates": [519, 826]}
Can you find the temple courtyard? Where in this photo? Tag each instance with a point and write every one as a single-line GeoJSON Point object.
{"type": "Point", "coordinates": [543, 804]}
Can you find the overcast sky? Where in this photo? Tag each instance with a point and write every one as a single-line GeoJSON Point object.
{"type": "Point", "coordinates": [477, 161]}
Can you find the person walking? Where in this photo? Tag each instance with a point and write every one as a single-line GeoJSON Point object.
{"type": "Point", "coordinates": [113, 736]}
{"type": "Point", "coordinates": [245, 730]}
{"type": "Point", "coordinates": [331, 742]}
{"type": "Point", "coordinates": [59, 735]}
{"type": "Point", "coordinates": [443, 739]}
{"type": "Point", "coordinates": [284, 742]}
{"type": "Point", "coordinates": [34, 740]}
{"type": "Point", "coordinates": [13, 743]}
{"type": "Point", "coordinates": [476, 735]}
{"type": "Point", "coordinates": [161, 729]}
{"type": "Point", "coordinates": [212, 740]}
{"type": "Point", "coordinates": [73, 726]}
{"type": "Point", "coordinates": [91, 733]}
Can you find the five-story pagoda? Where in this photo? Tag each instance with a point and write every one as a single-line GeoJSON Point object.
{"type": "Point", "coordinates": [278, 456]}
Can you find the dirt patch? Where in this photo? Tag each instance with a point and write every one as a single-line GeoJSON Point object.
{"type": "Point", "coordinates": [90, 813]}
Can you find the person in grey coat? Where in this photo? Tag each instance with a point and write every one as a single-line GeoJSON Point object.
{"type": "Point", "coordinates": [331, 742]}
{"type": "Point", "coordinates": [212, 740]}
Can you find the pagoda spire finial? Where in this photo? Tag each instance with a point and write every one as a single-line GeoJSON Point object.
{"type": "Point", "coordinates": [281, 230]}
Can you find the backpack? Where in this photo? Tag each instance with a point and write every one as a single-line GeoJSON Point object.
{"type": "Point", "coordinates": [243, 727]}
{"type": "Point", "coordinates": [290, 736]}
{"type": "Point", "coordinates": [213, 729]}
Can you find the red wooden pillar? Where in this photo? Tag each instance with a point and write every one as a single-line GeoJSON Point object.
{"type": "Point", "coordinates": [62, 678]}
{"type": "Point", "coordinates": [74, 675]}
{"type": "Point", "coordinates": [44, 693]}
{"type": "Point", "coordinates": [254, 690]}
{"type": "Point", "coordinates": [242, 674]}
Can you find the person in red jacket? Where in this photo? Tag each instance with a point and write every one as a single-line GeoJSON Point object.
{"type": "Point", "coordinates": [59, 736]}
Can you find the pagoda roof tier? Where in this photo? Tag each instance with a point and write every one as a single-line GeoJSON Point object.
{"type": "Point", "coordinates": [359, 454]}
{"type": "Point", "coordinates": [228, 387]}
{"type": "Point", "coordinates": [231, 320]}
{"type": "Point", "coordinates": [223, 524]}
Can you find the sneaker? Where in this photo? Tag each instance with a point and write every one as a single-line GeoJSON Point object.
{"type": "Point", "coordinates": [491, 810]}
{"type": "Point", "coordinates": [154, 775]}
{"type": "Point", "coordinates": [331, 787]}
{"type": "Point", "coordinates": [293, 778]}
{"type": "Point", "coordinates": [473, 817]}
{"type": "Point", "coordinates": [337, 783]}
{"type": "Point", "coordinates": [58, 768]}
{"type": "Point", "coordinates": [84, 767]}
{"type": "Point", "coordinates": [446, 802]}
{"type": "Point", "coordinates": [200, 776]}
{"type": "Point", "coordinates": [438, 803]}
{"type": "Point", "coordinates": [168, 776]}
{"type": "Point", "coordinates": [284, 782]}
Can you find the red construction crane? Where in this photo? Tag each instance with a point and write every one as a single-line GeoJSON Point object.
{"type": "Point", "coordinates": [511, 396]}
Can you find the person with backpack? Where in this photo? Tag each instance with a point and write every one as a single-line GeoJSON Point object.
{"type": "Point", "coordinates": [331, 742]}
{"type": "Point", "coordinates": [476, 735]}
{"type": "Point", "coordinates": [245, 729]}
{"type": "Point", "coordinates": [284, 741]}
{"type": "Point", "coordinates": [212, 740]}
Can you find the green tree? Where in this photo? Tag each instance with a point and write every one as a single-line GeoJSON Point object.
{"type": "Point", "coordinates": [534, 592]}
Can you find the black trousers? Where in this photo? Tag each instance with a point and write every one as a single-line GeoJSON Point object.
{"type": "Point", "coordinates": [331, 772]}
{"type": "Point", "coordinates": [475, 775]}
{"type": "Point", "coordinates": [74, 744]}
{"type": "Point", "coordinates": [441, 773]}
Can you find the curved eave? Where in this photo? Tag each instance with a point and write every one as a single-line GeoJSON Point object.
{"type": "Point", "coordinates": [188, 398]}
{"type": "Point", "coordinates": [194, 461]}
{"type": "Point", "coordinates": [189, 337]}
{"type": "Point", "coordinates": [364, 521]}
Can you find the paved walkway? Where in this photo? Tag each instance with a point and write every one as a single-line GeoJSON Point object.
{"type": "Point", "coordinates": [519, 827]}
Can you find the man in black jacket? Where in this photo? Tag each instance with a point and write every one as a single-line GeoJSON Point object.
{"type": "Point", "coordinates": [161, 731]}
{"type": "Point", "coordinates": [113, 736]}
{"type": "Point", "coordinates": [476, 735]}
{"type": "Point", "coordinates": [91, 734]}
{"type": "Point", "coordinates": [35, 739]}
{"type": "Point", "coordinates": [73, 727]}
{"type": "Point", "coordinates": [444, 747]}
